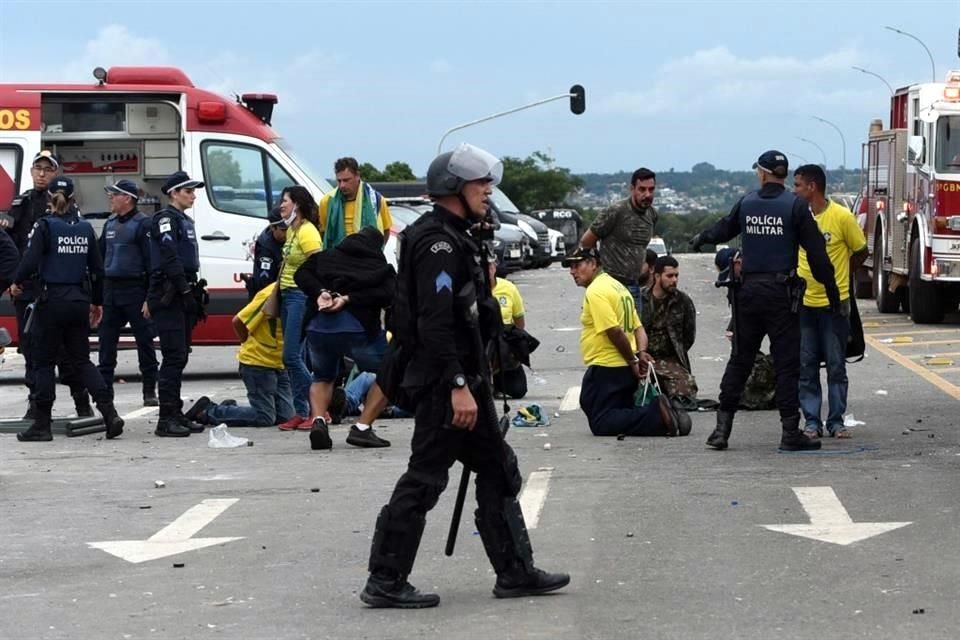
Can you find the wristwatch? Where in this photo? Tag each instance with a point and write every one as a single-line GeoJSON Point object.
{"type": "Point", "coordinates": [459, 381]}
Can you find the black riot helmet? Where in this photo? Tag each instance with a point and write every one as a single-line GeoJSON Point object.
{"type": "Point", "coordinates": [450, 170]}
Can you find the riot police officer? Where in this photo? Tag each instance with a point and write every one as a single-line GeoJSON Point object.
{"type": "Point", "coordinates": [772, 223]}
{"type": "Point", "coordinates": [62, 251]}
{"type": "Point", "coordinates": [26, 209]}
{"type": "Point", "coordinates": [173, 297]}
{"type": "Point", "coordinates": [442, 314]}
{"type": "Point", "coordinates": [125, 246]}
{"type": "Point", "coordinates": [267, 254]}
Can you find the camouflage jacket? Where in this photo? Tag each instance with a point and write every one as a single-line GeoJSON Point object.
{"type": "Point", "coordinates": [624, 234]}
{"type": "Point", "coordinates": [675, 334]}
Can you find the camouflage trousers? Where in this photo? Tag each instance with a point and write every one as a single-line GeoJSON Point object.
{"type": "Point", "coordinates": [676, 381]}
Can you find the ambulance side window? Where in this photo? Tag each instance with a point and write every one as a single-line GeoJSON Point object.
{"type": "Point", "coordinates": [11, 164]}
{"type": "Point", "coordinates": [242, 179]}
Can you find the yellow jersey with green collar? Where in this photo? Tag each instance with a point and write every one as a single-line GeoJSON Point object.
{"type": "Point", "coordinates": [844, 237]}
{"type": "Point", "coordinates": [606, 304]}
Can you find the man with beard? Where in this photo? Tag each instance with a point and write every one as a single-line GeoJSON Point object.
{"type": "Point", "coordinates": [624, 231]}
{"type": "Point", "coordinates": [670, 319]}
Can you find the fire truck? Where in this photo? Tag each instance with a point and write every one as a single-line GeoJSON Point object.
{"type": "Point", "coordinates": [910, 196]}
{"type": "Point", "coordinates": [144, 123]}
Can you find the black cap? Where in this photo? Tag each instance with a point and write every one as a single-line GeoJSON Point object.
{"type": "Point", "coordinates": [61, 183]}
{"type": "Point", "coordinates": [124, 188]}
{"type": "Point", "coordinates": [773, 162]}
{"type": "Point", "coordinates": [180, 180]}
{"type": "Point", "coordinates": [723, 257]}
{"type": "Point", "coordinates": [581, 253]}
{"type": "Point", "coordinates": [274, 218]}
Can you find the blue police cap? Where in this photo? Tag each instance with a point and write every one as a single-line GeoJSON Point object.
{"type": "Point", "coordinates": [61, 183]}
{"type": "Point", "coordinates": [124, 188]}
{"type": "Point", "coordinates": [773, 162]}
{"type": "Point", "coordinates": [180, 180]}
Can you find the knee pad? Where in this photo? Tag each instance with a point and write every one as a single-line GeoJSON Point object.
{"type": "Point", "coordinates": [429, 487]}
{"type": "Point", "coordinates": [395, 543]}
{"type": "Point", "coordinates": [504, 535]}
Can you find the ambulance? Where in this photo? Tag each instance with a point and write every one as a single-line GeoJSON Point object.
{"type": "Point", "coordinates": [144, 123]}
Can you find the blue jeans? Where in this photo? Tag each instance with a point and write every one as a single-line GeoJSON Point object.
{"type": "Point", "coordinates": [268, 392]}
{"type": "Point", "coordinates": [327, 349]}
{"type": "Point", "coordinates": [823, 338]}
{"type": "Point", "coordinates": [357, 391]}
{"type": "Point", "coordinates": [293, 304]}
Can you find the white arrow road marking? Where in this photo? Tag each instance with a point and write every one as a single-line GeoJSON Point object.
{"type": "Point", "coordinates": [533, 496]}
{"type": "Point", "coordinates": [176, 537]}
{"type": "Point", "coordinates": [142, 411]}
{"type": "Point", "coordinates": [829, 521]}
{"type": "Point", "coordinates": [571, 399]}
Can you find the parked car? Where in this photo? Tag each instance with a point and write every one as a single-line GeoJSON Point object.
{"type": "Point", "coordinates": [558, 245]}
{"type": "Point", "coordinates": [657, 244]}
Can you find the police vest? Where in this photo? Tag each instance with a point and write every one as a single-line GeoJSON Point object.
{"type": "Point", "coordinates": [769, 242]}
{"type": "Point", "coordinates": [124, 258]}
{"type": "Point", "coordinates": [179, 228]}
{"type": "Point", "coordinates": [66, 254]}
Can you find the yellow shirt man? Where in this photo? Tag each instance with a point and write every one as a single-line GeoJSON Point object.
{"type": "Point", "coordinates": [511, 304]}
{"type": "Point", "coordinates": [264, 345]}
{"type": "Point", "coordinates": [607, 304]}
{"type": "Point", "coordinates": [350, 213]}
{"type": "Point", "coordinates": [844, 238]}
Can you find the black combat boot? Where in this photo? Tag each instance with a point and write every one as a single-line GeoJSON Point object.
{"type": "Point", "coordinates": [198, 412]}
{"type": "Point", "coordinates": [31, 413]}
{"type": "Point", "coordinates": [184, 421]}
{"type": "Point", "coordinates": [718, 439]}
{"type": "Point", "coordinates": [168, 426]}
{"type": "Point", "coordinates": [392, 553]}
{"type": "Point", "coordinates": [82, 401]}
{"type": "Point", "coordinates": [150, 394]}
{"type": "Point", "coordinates": [793, 439]}
{"type": "Point", "coordinates": [111, 419]}
{"type": "Point", "coordinates": [505, 539]}
{"type": "Point", "coordinates": [41, 429]}
{"type": "Point", "coordinates": [684, 423]}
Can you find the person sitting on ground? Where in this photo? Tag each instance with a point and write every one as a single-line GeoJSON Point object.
{"type": "Point", "coordinates": [347, 289]}
{"type": "Point", "coordinates": [348, 400]}
{"type": "Point", "coordinates": [269, 394]}
{"type": "Point", "coordinates": [613, 345]}
{"type": "Point", "coordinates": [646, 270]}
{"type": "Point", "coordinates": [509, 377]}
{"type": "Point", "coordinates": [670, 319]}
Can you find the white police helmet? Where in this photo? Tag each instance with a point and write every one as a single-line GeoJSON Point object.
{"type": "Point", "coordinates": [450, 170]}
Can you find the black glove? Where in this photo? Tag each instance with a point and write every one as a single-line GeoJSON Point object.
{"type": "Point", "coordinates": [696, 242]}
{"type": "Point", "coordinates": [836, 307]}
{"type": "Point", "coordinates": [189, 301]}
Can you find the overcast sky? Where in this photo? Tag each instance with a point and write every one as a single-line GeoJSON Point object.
{"type": "Point", "coordinates": [668, 84]}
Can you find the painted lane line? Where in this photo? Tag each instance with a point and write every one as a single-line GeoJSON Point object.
{"type": "Point", "coordinates": [533, 496]}
{"type": "Point", "coordinates": [951, 390]}
{"type": "Point", "coordinates": [137, 413]}
{"type": "Point", "coordinates": [829, 520]}
{"type": "Point", "coordinates": [175, 538]}
{"type": "Point", "coordinates": [909, 333]}
{"type": "Point", "coordinates": [567, 329]}
{"type": "Point", "coordinates": [571, 399]}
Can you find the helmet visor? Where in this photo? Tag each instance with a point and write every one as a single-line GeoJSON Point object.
{"type": "Point", "coordinates": [473, 163]}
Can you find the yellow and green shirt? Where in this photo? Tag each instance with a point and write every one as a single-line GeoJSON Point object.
{"type": "Point", "coordinates": [844, 238]}
{"type": "Point", "coordinates": [264, 345]}
{"type": "Point", "coordinates": [300, 243]}
{"type": "Point", "coordinates": [511, 304]}
{"type": "Point", "coordinates": [607, 304]}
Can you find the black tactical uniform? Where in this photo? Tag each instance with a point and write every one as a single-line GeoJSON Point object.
{"type": "Point", "coordinates": [173, 302]}
{"type": "Point", "coordinates": [9, 259]}
{"type": "Point", "coordinates": [62, 251]}
{"type": "Point", "coordinates": [772, 223]}
{"type": "Point", "coordinates": [125, 246]}
{"type": "Point", "coordinates": [443, 314]}
{"type": "Point", "coordinates": [25, 210]}
{"type": "Point", "coordinates": [267, 258]}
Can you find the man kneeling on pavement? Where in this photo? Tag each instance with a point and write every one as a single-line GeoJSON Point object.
{"type": "Point", "coordinates": [670, 320]}
{"type": "Point", "coordinates": [609, 343]}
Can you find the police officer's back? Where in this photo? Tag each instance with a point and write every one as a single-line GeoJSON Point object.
{"type": "Point", "coordinates": [772, 223]}
{"type": "Point", "coordinates": [442, 312]}
{"type": "Point", "coordinates": [172, 297]}
{"type": "Point", "coordinates": [62, 254]}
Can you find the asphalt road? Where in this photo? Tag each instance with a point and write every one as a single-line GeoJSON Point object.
{"type": "Point", "coordinates": [663, 537]}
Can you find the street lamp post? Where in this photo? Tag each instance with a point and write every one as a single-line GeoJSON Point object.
{"type": "Point", "coordinates": [875, 75]}
{"type": "Point", "coordinates": [933, 65]}
{"type": "Point", "coordinates": [577, 106]}
{"type": "Point", "coordinates": [843, 141]}
{"type": "Point", "coordinates": [823, 153]}
{"type": "Point", "coordinates": [797, 156]}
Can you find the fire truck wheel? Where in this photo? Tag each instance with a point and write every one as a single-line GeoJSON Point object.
{"type": "Point", "coordinates": [925, 305]}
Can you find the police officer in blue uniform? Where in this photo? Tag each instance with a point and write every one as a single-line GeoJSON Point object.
{"type": "Point", "coordinates": [26, 209]}
{"type": "Point", "coordinates": [62, 251]}
{"type": "Point", "coordinates": [267, 254]}
{"type": "Point", "coordinates": [9, 259]}
{"type": "Point", "coordinates": [125, 247]}
{"type": "Point", "coordinates": [442, 314]}
{"type": "Point", "coordinates": [772, 223]}
{"type": "Point", "coordinates": [173, 298]}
